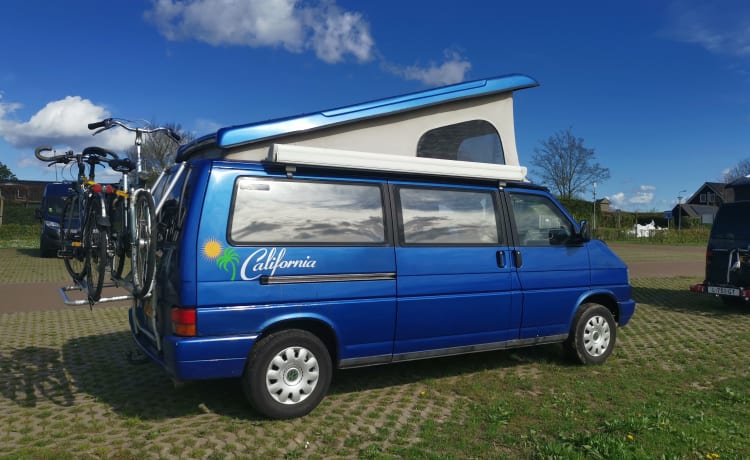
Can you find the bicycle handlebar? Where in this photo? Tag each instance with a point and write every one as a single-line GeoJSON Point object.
{"type": "Point", "coordinates": [52, 158]}
{"type": "Point", "coordinates": [108, 123]}
{"type": "Point", "coordinates": [99, 151]}
{"type": "Point", "coordinates": [98, 124]}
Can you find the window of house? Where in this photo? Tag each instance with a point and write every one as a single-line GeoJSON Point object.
{"type": "Point", "coordinates": [269, 211]}
{"type": "Point", "coordinates": [475, 140]}
{"type": "Point", "coordinates": [446, 216]}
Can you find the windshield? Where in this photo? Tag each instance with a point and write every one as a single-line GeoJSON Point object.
{"type": "Point", "coordinates": [731, 221]}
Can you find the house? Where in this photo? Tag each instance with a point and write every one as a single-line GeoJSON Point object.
{"type": "Point", "coordinates": [702, 204]}
{"type": "Point", "coordinates": [25, 192]}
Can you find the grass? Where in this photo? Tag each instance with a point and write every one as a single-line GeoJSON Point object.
{"type": "Point", "coordinates": [676, 387]}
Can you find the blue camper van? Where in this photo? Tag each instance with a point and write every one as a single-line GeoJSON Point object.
{"type": "Point", "coordinates": [389, 231]}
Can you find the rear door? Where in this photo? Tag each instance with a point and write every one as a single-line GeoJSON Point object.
{"type": "Point", "coordinates": [455, 289]}
{"type": "Point", "coordinates": [315, 248]}
{"type": "Point", "coordinates": [554, 273]}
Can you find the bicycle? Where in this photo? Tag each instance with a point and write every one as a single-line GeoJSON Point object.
{"type": "Point", "coordinates": [134, 216]}
{"type": "Point", "coordinates": [84, 224]}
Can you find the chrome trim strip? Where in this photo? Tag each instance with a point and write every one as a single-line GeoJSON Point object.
{"type": "Point", "coordinates": [415, 355]}
{"type": "Point", "coordinates": [294, 279]}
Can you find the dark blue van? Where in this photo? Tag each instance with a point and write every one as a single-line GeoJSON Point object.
{"type": "Point", "coordinates": [50, 213]}
{"type": "Point", "coordinates": [279, 268]}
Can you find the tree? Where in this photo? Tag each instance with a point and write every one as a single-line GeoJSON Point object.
{"type": "Point", "coordinates": [158, 150]}
{"type": "Point", "coordinates": [6, 173]}
{"type": "Point", "coordinates": [742, 169]}
{"type": "Point", "coordinates": [566, 166]}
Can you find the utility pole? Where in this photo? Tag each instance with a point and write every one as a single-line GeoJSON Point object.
{"type": "Point", "coordinates": [593, 220]}
{"type": "Point", "coordinates": [679, 208]}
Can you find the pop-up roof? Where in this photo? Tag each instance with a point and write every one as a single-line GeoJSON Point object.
{"type": "Point", "coordinates": [471, 121]}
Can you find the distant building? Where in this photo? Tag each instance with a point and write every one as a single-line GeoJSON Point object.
{"type": "Point", "coordinates": [27, 192]}
{"type": "Point", "coordinates": [702, 204]}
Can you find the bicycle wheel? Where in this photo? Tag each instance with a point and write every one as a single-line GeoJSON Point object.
{"type": "Point", "coordinates": [95, 240]}
{"type": "Point", "coordinates": [119, 237]}
{"type": "Point", "coordinates": [143, 247]}
{"type": "Point", "coordinates": [70, 234]}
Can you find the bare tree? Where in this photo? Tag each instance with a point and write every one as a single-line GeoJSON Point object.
{"type": "Point", "coordinates": [566, 166]}
{"type": "Point", "coordinates": [159, 150]}
{"type": "Point", "coordinates": [741, 169]}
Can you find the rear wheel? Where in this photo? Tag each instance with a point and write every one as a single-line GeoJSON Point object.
{"type": "Point", "coordinates": [592, 336]}
{"type": "Point", "coordinates": [70, 236]}
{"type": "Point", "coordinates": [288, 374]}
{"type": "Point", "coordinates": [119, 237]}
{"type": "Point", "coordinates": [143, 248]}
{"type": "Point", "coordinates": [95, 239]}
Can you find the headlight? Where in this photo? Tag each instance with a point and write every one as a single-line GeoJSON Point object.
{"type": "Point", "coordinates": [52, 224]}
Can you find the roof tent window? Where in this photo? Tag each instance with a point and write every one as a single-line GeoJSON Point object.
{"type": "Point", "coordinates": [475, 140]}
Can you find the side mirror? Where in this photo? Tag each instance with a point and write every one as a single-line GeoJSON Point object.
{"type": "Point", "coordinates": [585, 232]}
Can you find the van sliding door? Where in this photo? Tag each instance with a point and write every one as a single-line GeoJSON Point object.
{"type": "Point", "coordinates": [454, 272]}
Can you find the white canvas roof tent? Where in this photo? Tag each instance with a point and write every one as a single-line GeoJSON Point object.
{"type": "Point", "coordinates": [389, 128]}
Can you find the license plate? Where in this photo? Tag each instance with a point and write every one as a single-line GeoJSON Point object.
{"type": "Point", "coordinates": [724, 291]}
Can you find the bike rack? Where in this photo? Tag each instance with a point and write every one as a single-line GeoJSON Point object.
{"type": "Point", "coordinates": [81, 287]}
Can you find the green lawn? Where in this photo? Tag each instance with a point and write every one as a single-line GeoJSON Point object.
{"type": "Point", "coordinates": [676, 387]}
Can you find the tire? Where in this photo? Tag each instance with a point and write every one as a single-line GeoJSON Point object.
{"type": "Point", "coordinates": [288, 374]}
{"type": "Point", "coordinates": [119, 237]}
{"type": "Point", "coordinates": [95, 241]}
{"type": "Point", "coordinates": [74, 255]}
{"type": "Point", "coordinates": [592, 335]}
{"type": "Point", "coordinates": [143, 251]}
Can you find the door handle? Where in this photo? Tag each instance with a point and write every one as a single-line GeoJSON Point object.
{"type": "Point", "coordinates": [500, 256]}
{"type": "Point", "coordinates": [517, 258]}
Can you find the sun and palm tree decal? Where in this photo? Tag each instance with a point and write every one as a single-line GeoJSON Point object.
{"type": "Point", "coordinates": [226, 258]}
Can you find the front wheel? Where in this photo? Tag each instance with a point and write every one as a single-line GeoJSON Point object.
{"type": "Point", "coordinates": [592, 336]}
{"type": "Point", "coordinates": [288, 374]}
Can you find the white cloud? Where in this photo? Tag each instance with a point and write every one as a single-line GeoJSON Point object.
{"type": "Point", "coordinates": [641, 198]}
{"type": "Point", "coordinates": [62, 123]}
{"type": "Point", "coordinates": [452, 70]}
{"type": "Point", "coordinates": [618, 200]}
{"type": "Point", "coordinates": [719, 27]}
{"type": "Point", "coordinates": [643, 195]}
{"type": "Point", "coordinates": [323, 27]}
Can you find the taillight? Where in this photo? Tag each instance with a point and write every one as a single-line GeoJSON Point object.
{"type": "Point", "coordinates": [96, 188]}
{"type": "Point", "coordinates": [184, 322]}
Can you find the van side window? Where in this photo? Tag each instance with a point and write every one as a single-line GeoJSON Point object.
{"type": "Point", "coordinates": [538, 221]}
{"type": "Point", "coordinates": [447, 216]}
{"type": "Point", "coordinates": [475, 140]}
{"type": "Point", "coordinates": [267, 211]}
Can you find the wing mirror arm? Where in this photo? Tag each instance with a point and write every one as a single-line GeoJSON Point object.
{"type": "Point", "coordinates": [584, 234]}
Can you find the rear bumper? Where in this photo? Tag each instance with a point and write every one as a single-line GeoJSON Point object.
{"type": "Point", "coordinates": [721, 290]}
{"type": "Point", "coordinates": [196, 358]}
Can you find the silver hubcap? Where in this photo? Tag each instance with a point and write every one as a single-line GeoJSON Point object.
{"type": "Point", "coordinates": [292, 375]}
{"type": "Point", "coordinates": [596, 336]}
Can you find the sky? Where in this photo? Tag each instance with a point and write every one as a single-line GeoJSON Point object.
{"type": "Point", "coordinates": [659, 89]}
